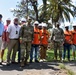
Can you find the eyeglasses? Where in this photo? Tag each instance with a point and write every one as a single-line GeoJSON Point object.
{"type": "Point", "coordinates": [36, 24]}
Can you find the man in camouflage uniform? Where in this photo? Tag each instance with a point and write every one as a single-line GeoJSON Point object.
{"type": "Point", "coordinates": [26, 36]}
{"type": "Point", "coordinates": [57, 37]}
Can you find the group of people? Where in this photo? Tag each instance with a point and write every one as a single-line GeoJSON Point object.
{"type": "Point", "coordinates": [30, 40]}
{"type": "Point", "coordinates": [64, 41]}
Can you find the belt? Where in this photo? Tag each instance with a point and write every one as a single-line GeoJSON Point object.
{"type": "Point", "coordinates": [14, 39]}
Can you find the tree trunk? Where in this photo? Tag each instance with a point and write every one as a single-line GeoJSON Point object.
{"type": "Point", "coordinates": [34, 4]}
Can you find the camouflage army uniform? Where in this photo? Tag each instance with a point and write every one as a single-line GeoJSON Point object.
{"type": "Point", "coordinates": [26, 35]}
{"type": "Point", "coordinates": [57, 37]}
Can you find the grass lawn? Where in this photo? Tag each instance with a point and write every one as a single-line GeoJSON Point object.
{"type": "Point", "coordinates": [5, 55]}
{"type": "Point", "coordinates": [50, 55]}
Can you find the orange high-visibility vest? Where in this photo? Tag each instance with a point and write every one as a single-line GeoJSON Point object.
{"type": "Point", "coordinates": [74, 37]}
{"type": "Point", "coordinates": [44, 37]}
{"type": "Point", "coordinates": [68, 37]}
{"type": "Point", "coordinates": [36, 36]}
{"type": "Point", "coordinates": [40, 31]}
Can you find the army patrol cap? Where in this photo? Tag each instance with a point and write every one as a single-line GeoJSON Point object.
{"type": "Point", "coordinates": [23, 20]}
{"type": "Point", "coordinates": [58, 24]}
{"type": "Point", "coordinates": [29, 18]}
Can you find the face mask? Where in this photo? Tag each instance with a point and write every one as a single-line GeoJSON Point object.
{"type": "Point", "coordinates": [15, 24]}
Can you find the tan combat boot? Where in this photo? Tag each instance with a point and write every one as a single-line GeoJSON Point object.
{"type": "Point", "coordinates": [22, 64]}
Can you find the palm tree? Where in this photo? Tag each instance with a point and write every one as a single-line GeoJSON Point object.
{"type": "Point", "coordinates": [59, 10]}
{"type": "Point", "coordinates": [43, 11]}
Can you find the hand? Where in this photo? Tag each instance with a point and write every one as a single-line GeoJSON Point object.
{"type": "Point", "coordinates": [8, 40]}
{"type": "Point", "coordinates": [3, 39]}
{"type": "Point", "coordinates": [32, 42]}
{"type": "Point", "coordinates": [42, 37]}
{"type": "Point", "coordinates": [20, 40]}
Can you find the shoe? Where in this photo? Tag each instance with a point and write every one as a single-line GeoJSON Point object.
{"type": "Point", "coordinates": [41, 60]}
{"type": "Point", "coordinates": [73, 59]}
{"type": "Point", "coordinates": [14, 62]}
{"type": "Point", "coordinates": [62, 60]}
{"type": "Point", "coordinates": [31, 61]}
{"type": "Point", "coordinates": [68, 59]}
{"type": "Point", "coordinates": [0, 63]}
{"type": "Point", "coordinates": [22, 64]}
{"type": "Point", "coordinates": [8, 64]}
{"type": "Point", "coordinates": [37, 61]}
{"type": "Point", "coordinates": [44, 59]}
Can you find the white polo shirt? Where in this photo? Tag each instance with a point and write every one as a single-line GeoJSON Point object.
{"type": "Point", "coordinates": [12, 29]}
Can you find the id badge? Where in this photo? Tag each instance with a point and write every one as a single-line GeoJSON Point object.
{"type": "Point", "coordinates": [16, 32]}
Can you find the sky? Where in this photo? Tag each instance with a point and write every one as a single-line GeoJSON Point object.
{"type": "Point", "coordinates": [5, 8]}
{"type": "Point", "coordinates": [6, 5]}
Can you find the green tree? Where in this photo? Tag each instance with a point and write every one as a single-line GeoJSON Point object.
{"type": "Point", "coordinates": [24, 9]}
{"type": "Point", "coordinates": [59, 10]}
{"type": "Point", "coordinates": [34, 4]}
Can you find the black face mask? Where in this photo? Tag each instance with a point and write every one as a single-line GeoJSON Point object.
{"type": "Point", "coordinates": [15, 24]}
{"type": "Point", "coordinates": [67, 28]}
{"type": "Point", "coordinates": [40, 27]}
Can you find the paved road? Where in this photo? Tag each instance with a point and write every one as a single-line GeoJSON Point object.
{"type": "Point", "coordinates": [42, 68]}
{"type": "Point", "coordinates": [71, 65]}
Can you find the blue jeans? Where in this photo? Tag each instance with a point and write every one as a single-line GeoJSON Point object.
{"type": "Point", "coordinates": [66, 48]}
{"type": "Point", "coordinates": [34, 49]}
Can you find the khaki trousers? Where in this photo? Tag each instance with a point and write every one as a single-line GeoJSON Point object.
{"type": "Point", "coordinates": [13, 45]}
{"type": "Point", "coordinates": [43, 51]}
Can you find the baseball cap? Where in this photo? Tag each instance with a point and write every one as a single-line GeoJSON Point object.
{"type": "Point", "coordinates": [8, 19]}
{"type": "Point", "coordinates": [1, 16]}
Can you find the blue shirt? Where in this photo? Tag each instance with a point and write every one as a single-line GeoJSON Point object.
{"type": "Point", "coordinates": [1, 29]}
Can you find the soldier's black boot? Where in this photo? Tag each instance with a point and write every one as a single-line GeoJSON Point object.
{"type": "Point", "coordinates": [36, 61]}
{"type": "Point", "coordinates": [31, 61]}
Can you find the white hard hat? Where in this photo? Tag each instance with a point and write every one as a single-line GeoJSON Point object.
{"type": "Point", "coordinates": [67, 25]}
{"type": "Point", "coordinates": [40, 24]}
{"type": "Point", "coordinates": [36, 22]}
{"type": "Point", "coordinates": [44, 24]}
{"type": "Point", "coordinates": [23, 19]}
{"type": "Point", "coordinates": [74, 24]}
{"type": "Point", "coordinates": [8, 19]}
